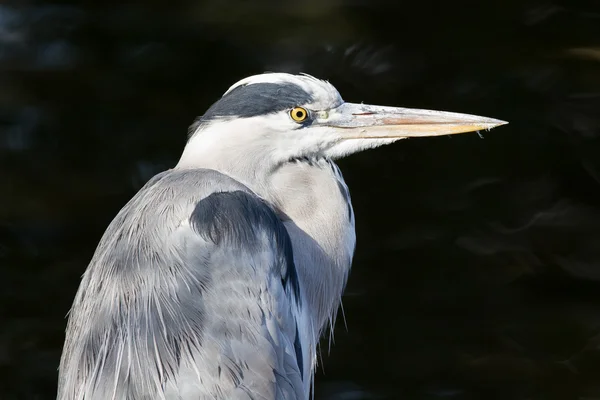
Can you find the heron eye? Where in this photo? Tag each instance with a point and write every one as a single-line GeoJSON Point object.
{"type": "Point", "coordinates": [299, 114]}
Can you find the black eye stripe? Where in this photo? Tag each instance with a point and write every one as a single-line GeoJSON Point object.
{"type": "Point", "coordinates": [258, 99]}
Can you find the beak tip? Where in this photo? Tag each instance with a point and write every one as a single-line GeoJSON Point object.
{"type": "Point", "coordinates": [494, 123]}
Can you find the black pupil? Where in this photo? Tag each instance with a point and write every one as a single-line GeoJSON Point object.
{"type": "Point", "coordinates": [299, 114]}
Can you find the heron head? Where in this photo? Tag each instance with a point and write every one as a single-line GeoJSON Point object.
{"type": "Point", "coordinates": [280, 117]}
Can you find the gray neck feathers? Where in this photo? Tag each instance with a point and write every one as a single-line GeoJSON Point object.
{"type": "Point", "coordinates": [313, 201]}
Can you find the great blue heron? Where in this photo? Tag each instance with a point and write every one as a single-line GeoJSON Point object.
{"type": "Point", "coordinates": [217, 278]}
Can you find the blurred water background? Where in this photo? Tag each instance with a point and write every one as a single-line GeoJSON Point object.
{"type": "Point", "coordinates": [477, 271]}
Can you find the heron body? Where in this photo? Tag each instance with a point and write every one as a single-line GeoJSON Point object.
{"type": "Point", "coordinates": [216, 280]}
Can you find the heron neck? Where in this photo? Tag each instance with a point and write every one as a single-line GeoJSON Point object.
{"type": "Point", "coordinates": [313, 200]}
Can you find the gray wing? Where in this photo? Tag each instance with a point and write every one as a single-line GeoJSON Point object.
{"type": "Point", "coordinates": [189, 296]}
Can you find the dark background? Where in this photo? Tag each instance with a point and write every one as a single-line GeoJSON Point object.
{"type": "Point", "coordinates": [477, 271]}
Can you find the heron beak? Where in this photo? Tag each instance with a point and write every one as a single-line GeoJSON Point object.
{"type": "Point", "coordinates": [363, 121]}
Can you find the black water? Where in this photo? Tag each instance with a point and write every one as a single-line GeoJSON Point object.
{"type": "Point", "coordinates": [477, 272]}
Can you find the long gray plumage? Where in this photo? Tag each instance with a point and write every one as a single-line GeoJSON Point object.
{"type": "Point", "coordinates": [217, 278]}
{"type": "Point", "coordinates": [189, 296]}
